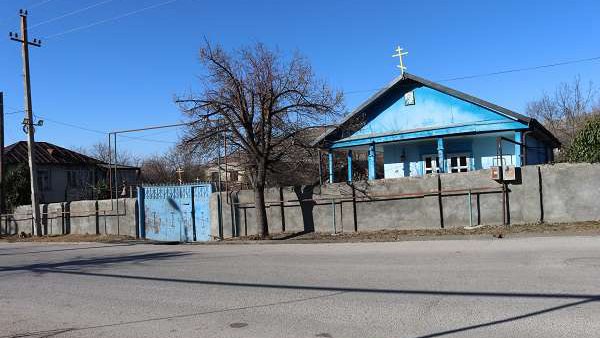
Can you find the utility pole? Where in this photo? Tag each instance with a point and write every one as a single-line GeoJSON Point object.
{"type": "Point", "coordinates": [1, 153]}
{"type": "Point", "coordinates": [28, 122]}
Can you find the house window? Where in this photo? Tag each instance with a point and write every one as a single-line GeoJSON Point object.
{"type": "Point", "coordinates": [214, 176]}
{"type": "Point", "coordinates": [458, 163]}
{"type": "Point", "coordinates": [430, 164]}
{"type": "Point", "coordinates": [43, 179]}
{"type": "Point", "coordinates": [78, 178]}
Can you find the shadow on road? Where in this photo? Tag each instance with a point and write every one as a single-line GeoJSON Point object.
{"type": "Point", "coordinates": [72, 265]}
{"type": "Point", "coordinates": [72, 268]}
{"type": "Point", "coordinates": [18, 253]}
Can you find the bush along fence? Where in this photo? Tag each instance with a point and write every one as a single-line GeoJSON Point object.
{"type": "Point", "coordinates": [101, 217]}
{"type": "Point", "coordinates": [548, 193]}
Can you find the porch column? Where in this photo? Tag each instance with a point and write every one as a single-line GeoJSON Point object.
{"type": "Point", "coordinates": [517, 149]}
{"type": "Point", "coordinates": [441, 155]}
{"type": "Point", "coordinates": [349, 165]}
{"type": "Point", "coordinates": [371, 161]}
{"type": "Point", "coordinates": [330, 166]}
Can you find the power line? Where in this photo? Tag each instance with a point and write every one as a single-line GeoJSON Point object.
{"type": "Point", "coordinates": [134, 138]}
{"type": "Point", "coordinates": [71, 13]}
{"type": "Point", "coordinates": [75, 126]}
{"type": "Point", "coordinates": [72, 125]}
{"type": "Point", "coordinates": [14, 112]}
{"type": "Point", "coordinates": [43, 2]}
{"type": "Point", "coordinates": [515, 70]}
{"type": "Point", "coordinates": [506, 71]}
{"type": "Point", "coordinates": [110, 19]}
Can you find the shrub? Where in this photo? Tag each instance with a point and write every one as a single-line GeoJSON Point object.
{"type": "Point", "coordinates": [586, 144]}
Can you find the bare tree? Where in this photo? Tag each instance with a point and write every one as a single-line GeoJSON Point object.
{"type": "Point", "coordinates": [163, 168]}
{"type": "Point", "coordinates": [102, 152]}
{"type": "Point", "coordinates": [566, 110]}
{"type": "Point", "coordinates": [256, 102]}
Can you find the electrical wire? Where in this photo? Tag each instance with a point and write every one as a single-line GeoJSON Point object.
{"type": "Point", "coordinates": [516, 70]}
{"type": "Point", "coordinates": [109, 19]}
{"type": "Point", "coordinates": [14, 112]}
{"type": "Point", "coordinates": [506, 71]}
{"type": "Point", "coordinates": [71, 125]}
{"type": "Point", "coordinates": [43, 2]}
{"type": "Point", "coordinates": [77, 11]}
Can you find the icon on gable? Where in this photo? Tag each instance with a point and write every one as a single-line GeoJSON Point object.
{"type": "Point", "coordinates": [409, 98]}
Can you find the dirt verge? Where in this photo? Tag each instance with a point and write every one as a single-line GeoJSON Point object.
{"type": "Point", "coordinates": [566, 229]}
{"type": "Point", "coordinates": [69, 238]}
{"type": "Point", "coordinates": [561, 229]}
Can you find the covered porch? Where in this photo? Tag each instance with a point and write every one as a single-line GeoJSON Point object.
{"type": "Point", "coordinates": [418, 157]}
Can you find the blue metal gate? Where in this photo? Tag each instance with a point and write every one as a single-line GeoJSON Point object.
{"type": "Point", "coordinates": [175, 213]}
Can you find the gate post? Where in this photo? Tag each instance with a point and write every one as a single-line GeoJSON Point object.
{"type": "Point", "coordinates": [141, 213]}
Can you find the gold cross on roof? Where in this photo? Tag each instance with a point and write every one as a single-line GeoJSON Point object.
{"type": "Point", "coordinates": [399, 54]}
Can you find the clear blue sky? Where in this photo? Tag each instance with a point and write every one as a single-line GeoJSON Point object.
{"type": "Point", "coordinates": [124, 73]}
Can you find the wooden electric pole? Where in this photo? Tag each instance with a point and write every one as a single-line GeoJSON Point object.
{"type": "Point", "coordinates": [28, 122]}
{"type": "Point", "coordinates": [2, 154]}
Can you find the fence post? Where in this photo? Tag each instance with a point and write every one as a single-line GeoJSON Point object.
{"type": "Point", "coordinates": [282, 208]}
{"type": "Point", "coordinates": [141, 230]}
{"type": "Point", "coordinates": [470, 209]}
{"type": "Point", "coordinates": [440, 205]}
{"type": "Point", "coordinates": [333, 215]}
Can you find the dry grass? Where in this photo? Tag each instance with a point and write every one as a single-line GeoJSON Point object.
{"type": "Point", "coordinates": [68, 238]}
{"type": "Point", "coordinates": [580, 228]}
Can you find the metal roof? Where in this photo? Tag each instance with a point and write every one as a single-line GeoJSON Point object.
{"type": "Point", "coordinates": [415, 81]}
{"type": "Point", "coordinates": [46, 153]}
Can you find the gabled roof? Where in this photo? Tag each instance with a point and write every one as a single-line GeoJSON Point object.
{"type": "Point", "coordinates": [409, 82]}
{"type": "Point", "coordinates": [46, 153]}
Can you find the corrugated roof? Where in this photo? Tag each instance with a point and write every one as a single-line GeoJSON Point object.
{"type": "Point", "coordinates": [45, 153]}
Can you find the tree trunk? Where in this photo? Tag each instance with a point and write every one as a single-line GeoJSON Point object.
{"type": "Point", "coordinates": [262, 225]}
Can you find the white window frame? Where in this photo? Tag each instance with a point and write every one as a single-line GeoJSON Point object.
{"type": "Point", "coordinates": [458, 166]}
{"type": "Point", "coordinates": [434, 164]}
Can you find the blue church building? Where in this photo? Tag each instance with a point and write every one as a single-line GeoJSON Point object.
{"type": "Point", "coordinates": [421, 127]}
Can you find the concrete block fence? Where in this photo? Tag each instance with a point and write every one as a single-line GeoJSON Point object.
{"type": "Point", "coordinates": [116, 217]}
{"type": "Point", "coordinates": [543, 194]}
{"type": "Point", "coordinates": [546, 193]}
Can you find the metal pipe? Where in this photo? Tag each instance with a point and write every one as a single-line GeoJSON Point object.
{"type": "Point", "coordinates": [154, 127]}
{"type": "Point", "coordinates": [447, 192]}
{"type": "Point", "coordinates": [116, 186]}
{"type": "Point", "coordinates": [219, 200]}
{"type": "Point", "coordinates": [524, 141]}
{"type": "Point", "coordinates": [109, 167]}
{"type": "Point", "coordinates": [503, 203]}
{"type": "Point", "coordinates": [320, 167]}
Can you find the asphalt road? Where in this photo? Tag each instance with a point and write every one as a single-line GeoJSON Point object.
{"type": "Point", "coordinates": [528, 287]}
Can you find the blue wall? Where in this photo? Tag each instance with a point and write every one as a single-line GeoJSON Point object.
{"type": "Point", "coordinates": [432, 109]}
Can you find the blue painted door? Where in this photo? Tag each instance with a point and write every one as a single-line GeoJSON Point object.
{"type": "Point", "coordinates": [201, 195]}
{"type": "Point", "coordinates": [179, 213]}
